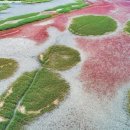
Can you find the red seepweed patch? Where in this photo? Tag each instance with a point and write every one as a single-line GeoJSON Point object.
{"type": "Point", "coordinates": [60, 22]}
{"type": "Point", "coordinates": [9, 33]}
{"type": "Point", "coordinates": [37, 33]}
{"type": "Point", "coordinates": [108, 65]}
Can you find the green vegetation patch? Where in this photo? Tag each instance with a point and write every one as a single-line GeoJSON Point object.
{"type": "Point", "coordinates": [7, 67]}
{"type": "Point", "coordinates": [32, 94]}
{"type": "Point", "coordinates": [68, 7]}
{"type": "Point", "coordinates": [30, 1]}
{"type": "Point", "coordinates": [127, 28]}
{"type": "Point", "coordinates": [60, 57]}
{"type": "Point", "coordinates": [4, 7]}
{"type": "Point", "coordinates": [18, 17]}
{"type": "Point", "coordinates": [34, 1]}
{"type": "Point", "coordinates": [129, 101]}
{"type": "Point", "coordinates": [27, 19]}
{"type": "Point", "coordinates": [92, 25]}
{"type": "Point", "coordinates": [37, 92]}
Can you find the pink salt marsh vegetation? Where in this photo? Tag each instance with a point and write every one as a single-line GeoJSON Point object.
{"type": "Point", "coordinates": [108, 65]}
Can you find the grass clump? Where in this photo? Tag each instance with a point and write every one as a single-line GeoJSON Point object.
{"type": "Point", "coordinates": [92, 25]}
{"type": "Point", "coordinates": [4, 7]}
{"type": "Point", "coordinates": [127, 28]}
{"type": "Point", "coordinates": [60, 57]}
{"type": "Point", "coordinates": [7, 67]}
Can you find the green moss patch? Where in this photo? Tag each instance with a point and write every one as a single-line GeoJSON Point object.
{"type": "Point", "coordinates": [127, 28]}
{"type": "Point", "coordinates": [7, 67]}
{"type": "Point", "coordinates": [92, 25]}
{"type": "Point", "coordinates": [60, 57]}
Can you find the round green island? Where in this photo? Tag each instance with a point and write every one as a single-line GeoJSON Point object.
{"type": "Point", "coordinates": [92, 25]}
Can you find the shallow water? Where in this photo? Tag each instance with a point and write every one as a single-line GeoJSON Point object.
{"type": "Point", "coordinates": [20, 8]}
